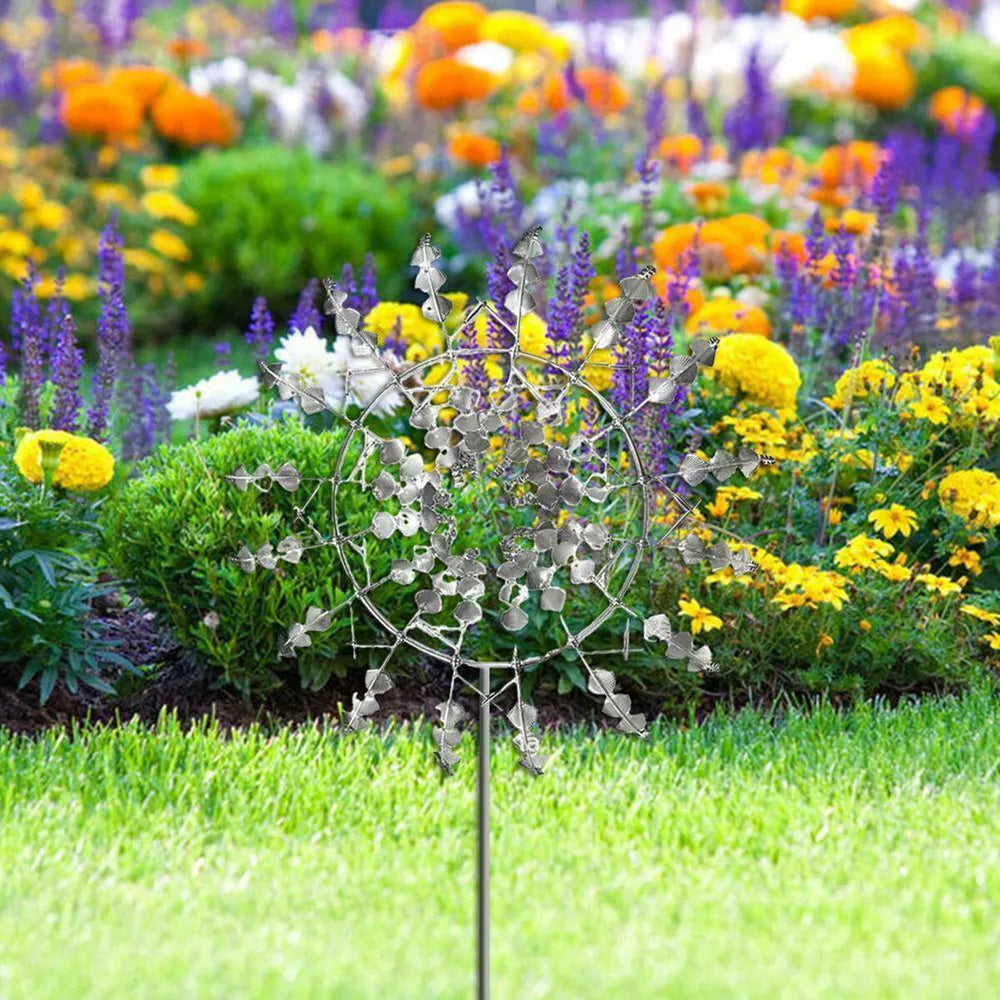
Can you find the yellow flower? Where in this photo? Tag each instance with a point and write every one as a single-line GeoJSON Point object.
{"type": "Point", "coordinates": [84, 464]}
{"type": "Point", "coordinates": [759, 368]}
{"type": "Point", "coordinates": [862, 551]}
{"type": "Point", "coordinates": [29, 194]}
{"type": "Point", "coordinates": [108, 193]}
{"type": "Point", "coordinates": [383, 319]}
{"type": "Point", "coordinates": [193, 281]}
{"type": "Point", "coordinates": [938, 584]}
{"type": "Point", "coordinates": [894, 519]}
{"type": "Point", "coordinates": [930, 407]}
{"type": "Point", "coordinates": [75, 288]}
{"type": "Point", "coordinates": [169, 245]}
{"type": "Point", "coordinates": [859, 383]}
{"type": "Point", "coordinates": [824, 641]}
{"type": "Point", "coordinates": [15, 267]}
{"type": "Point", "coordinates": [967, 559]}
{"type": "Point", "coordinates": [992, 639]}
{"type": "Point", "coordinates": [15, 243]}
{"type": "Point", "coordinates": [893, 572]}
{"type": "Point", "coordinates": [160, 175]}
{"type": "Point", "coordinates": [49, 215]}
{"type": "Point", "coordinates": [972, 494]}
{"type": "Point", "coordinates": [981, 614]}
{"type": "Point", "coordinates": [166, 205]}
{"type": "Point", "coordinates": [702, 620]}
{"type": "Point", "coordinates": [143, 260]}
{"type": "Point", "coordinates": [517, 30]}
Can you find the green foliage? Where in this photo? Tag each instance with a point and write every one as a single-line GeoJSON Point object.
{"type": "Point", "coordinates": [270, 217]}
{"type": "Point", "coordinates": [48, 580]}
{"type": "Point", "coordinates": [172, 529]}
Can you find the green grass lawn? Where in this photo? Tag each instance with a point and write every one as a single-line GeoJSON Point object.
{"type": "Point", "coordinates": [840, 856]}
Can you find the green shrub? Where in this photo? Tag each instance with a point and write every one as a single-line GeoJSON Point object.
{"type": "Point", "coordinates": [269, 217]}
{"type": "Point", "coordinates": [172, 530]}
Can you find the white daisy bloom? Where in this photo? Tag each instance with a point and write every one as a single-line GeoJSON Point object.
{"type": "Point", "coordinates": [224, 392]}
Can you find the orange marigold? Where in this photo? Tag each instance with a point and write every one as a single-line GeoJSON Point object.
{"type": "Point", "coordinates": [681, 151]}
{"type": "Point", "coordinates": [850, 164]}
{"type": "Point", "coordinates": [145, 83]}
{"type": "Point", "coordinates": [883, 77]}
{"type": "Point", "coordinates": [101, 110]}
{"type": "Point", "coordinates": [192, 119]}
{"type": "Point", "coordinates": [453, 23]}
{"type": "Point", "coordinates": [603, 91]}
{"type": "Point", "coordinates": [68, 73]}
{"type": "Point", "coordinates": [444, 84]}
{"type": "Point", "coordinates": [474, 150]}
{"type": "Point", "coordinates": [956, 110]}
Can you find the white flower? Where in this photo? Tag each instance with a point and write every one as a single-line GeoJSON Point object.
{"type": "Point", "coordinates": [351, 372]}
{"type": "Point", "coordinates": [305, 354]}
{"type": "Point", "coordinates": [490, 56]}
{"type": "Point", "coordinates": [464, 198]}
{"type": "Point", "coordinates": [224, 392]}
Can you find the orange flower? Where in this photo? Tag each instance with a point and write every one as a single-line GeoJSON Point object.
{"type": "Point", "coordinates": [529, 102]}
{"type": "Point", "coordinates": [453, 23]}
{"type": "Point", "coordinates": [772, 166]}
{"type": "Point", "coordinates": [709, 196]}
{"type": "Point", "coordinates": [144, 83]}
{"type": "Point", "coordinates": [69, 72]}
{"type": "Point", "coordinates": [604, 93]}
{"type": "Point", "coordinates": [733, 245]}
{"type": "Point", "coordinates": [792, 244]}
{"type": "Point", "coordinates": [663, 282]}
{"type": "Point", "coordinates": [956, 110]}
{"type": "Point", "coordinates": [474, 150]}
{"type": "Point", "coordinates": [883, 77]}
{"type": "Point", "coordinates": [681, 151]}
{"type": "Point", "coordinates": [832, 10]}
{"type": "Point", "coordinates": [728, 316]}
{"type": "Point", "coordinates": [444, 84]}
{"type": "Point", "coordinates": [852, 164]}
{"type": "Point", "coordinates": [101, 110]}
{"type": "Point", "coordinates": [853, 221]}
{"type": "Point", "coordinates": [604, 90]}
{"type": "Point", "coordinates": [832, 197]}
{"type": "Point", "coordinates": [898, 30]}
{"type": "Point", "coordinates": [193, 119]}
{"type": "Point", "coordinates": [185, 48]}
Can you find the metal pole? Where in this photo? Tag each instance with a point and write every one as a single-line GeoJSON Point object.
{"type": "Point", "coordinates": [483, 829]}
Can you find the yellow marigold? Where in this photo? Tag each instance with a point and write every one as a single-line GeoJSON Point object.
{"type": "Point", "coordinates": [981, 614]}
{"type": "Point", "coordinates": [49, 215]}
{"type": "Point", "coordinates": [169, 245]}
{"type": "Point", "coordinates": [702, 619]}
{"type": "Point", "coordinates": [75, 287]}
{"type": "Point", "coordinates": [894, 519]}
{"type": "Point", "coordinates": [143, 260]}
{"type": "Point", "coordinates": [515, 29]}
{"type": "Point", "coordinates": [931, 408]}
{"type": "Point", "coordinates": [160, 175]}
{"type": "Point", "coordinates": [15, 243]}
{"type": "Point", "coordinates": [413, 328]}
{"type": "Point", "coordinates": [759, 368]}
{"type": "Point", "coordinates": [109, 193]}
{"type": "Point", "coordinates": [166, 205]}
{"type": "Point", "coordinates": [859, 383]}
{"type": "Point", "coordinates": [84, 465]}
{"type": "Point", "coordinates": [718, 316]}
{"type": "Point", "coordinates": [534, 334]}
{"type": "Point", "coordinates": [992, 639]}
{"type": "Point", "coordinates": [453, 23]}
{"type": "Point", "coordinates": [972, 494]}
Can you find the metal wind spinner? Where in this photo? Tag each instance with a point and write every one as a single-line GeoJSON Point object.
{"type": "Point", "coordinates": [558, 477]}
{"type": "Point", "coordinates": [573, 508]}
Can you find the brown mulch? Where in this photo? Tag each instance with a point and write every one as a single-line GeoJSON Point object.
{"type": "Point", "coordinates": [178, 685]}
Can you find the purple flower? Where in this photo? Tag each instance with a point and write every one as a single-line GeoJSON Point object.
{"type": "Point", "coordinates": [27, 333]}
{"type": "Point", "coordinates": [281, 20]}
{"type": "Point", "coordinates": [566, 309]}
{"type": "Point", "coordinates": [223, 354]}
{"type": "Point", "coordinates": [368, 296]}
{"type": "Point", "coordinates": [306, 314]}
{"type": "Point", "coordinates": [67, 363]}
{"type": "Point", "coordinates": [260, 333]}
{"type": "Point", "coordinates": [757, 120]}
{"type": "Point", "coordinates": [113, 332]}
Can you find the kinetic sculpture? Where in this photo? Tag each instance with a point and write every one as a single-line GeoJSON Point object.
{"type": "Point", "coordinates": [575, 509]}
